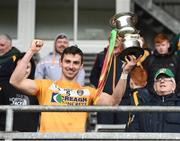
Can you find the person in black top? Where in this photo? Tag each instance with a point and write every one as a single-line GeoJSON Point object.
{"type": "Point", "coordinates": [112, 79]}
{"type": "Point", "coordinates": [7, 53]}
{"type": "Point", "coordinates": [139, 93]}
{"type": "Point", "coordinates": [164, 87]}
{"type": "Point", "coordinates": [176, 44]}
{"type": "Point", "coordinates": [23, 121]}
{"type": "Point", "coordinates": [162, 57]}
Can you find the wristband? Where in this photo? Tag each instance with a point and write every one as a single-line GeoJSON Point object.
{"type": "Point", "coordinates": [123, 76]}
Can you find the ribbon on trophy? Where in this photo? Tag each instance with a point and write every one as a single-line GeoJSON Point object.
{"type": "Point", "coordinates": [107, 63]}
{"type": "Point", "coordinates": [122, 24]}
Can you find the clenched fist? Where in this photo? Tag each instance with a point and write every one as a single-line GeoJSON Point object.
{"type": "Point", "coordinates": [36, 45]}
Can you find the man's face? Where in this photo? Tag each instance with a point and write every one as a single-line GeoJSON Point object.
{"type": "Point", "coordinates": [61, 44]}
{"type": "Point", "coordinates": [118, 44]}
{"type": "Point", "coordinates": [162, 48]}
{"type": "Point", "coordinates": [71, 64]}
{"type": "Point", "coordinates": [164, 85]}
{"type": "Point", "coordinates": [5, 46]}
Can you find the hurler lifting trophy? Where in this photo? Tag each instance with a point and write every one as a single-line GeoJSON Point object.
{"type": "Point", "coordinates": [124, 25]}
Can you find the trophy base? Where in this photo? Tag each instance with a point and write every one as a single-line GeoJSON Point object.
{"type": "Point", "coordinates": [136, 51]}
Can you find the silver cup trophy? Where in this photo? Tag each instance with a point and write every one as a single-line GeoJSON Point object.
{"type": "Point", "coordinates": [125, 25]}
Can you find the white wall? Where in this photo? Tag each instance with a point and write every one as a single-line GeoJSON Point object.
{"type": "Point", "coordinates": [95, 23]}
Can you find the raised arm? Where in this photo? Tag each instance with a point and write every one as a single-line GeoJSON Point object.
{"type": "Point", "coordinates": [116, 97]}
{"type": "Point", "coordinates": [18, 79]}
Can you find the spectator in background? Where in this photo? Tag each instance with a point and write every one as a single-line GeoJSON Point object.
{"type": "Point", "coordinates": [22, 121]}
{"type": "Point", "coordinates": [139, 93]}
{"type": "Point", "coordinates": [147, 51]}
{"type": "Point", "coordinates": [176, 44]}
{"type": "Point", "coordinates": [6, 50]}
{"type": "Point", "coordinates": [66, 91]}
{"type": "Point", "coordinates": [138, 81]}
{"type": "Point", "coordinates": [111, 82]}
{"type": "Point", "coordinates": [164, 87]}
{"type": "Point", "coordinates": [162, 57]}
{"type": "Point", "coordinates": [7, 54]}
{"type": "Point", "coordinates": [49, 68]}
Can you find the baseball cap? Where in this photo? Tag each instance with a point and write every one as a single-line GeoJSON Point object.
{"type": "Point", "coordinates": [164, 71]}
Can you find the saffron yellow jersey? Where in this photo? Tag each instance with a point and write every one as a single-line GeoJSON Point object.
{"type": "Point", "coordinates": [63, 93]}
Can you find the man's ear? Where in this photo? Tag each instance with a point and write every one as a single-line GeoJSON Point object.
{"type": "Point", "coordinates": [173, 87]}
{"type": "Point", "coordinates": [154, 86]}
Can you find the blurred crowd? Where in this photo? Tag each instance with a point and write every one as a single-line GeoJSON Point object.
{"type": "Point", "coordinates": [152, 79]}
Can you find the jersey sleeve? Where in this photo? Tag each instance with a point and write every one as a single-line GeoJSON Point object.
{"type": "Point", "coordinates": [42, 88]}
{"type": "Point", "coordinates": [93, 97]}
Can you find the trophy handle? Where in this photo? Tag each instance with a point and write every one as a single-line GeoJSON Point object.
{"type": "Point", "coordinates": [112, 22]}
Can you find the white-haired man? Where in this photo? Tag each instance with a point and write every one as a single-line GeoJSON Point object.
{"type": "Point", "coordinates": [164, 87]}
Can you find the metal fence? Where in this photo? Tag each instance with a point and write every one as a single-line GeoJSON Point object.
{"type": "Point", "coordinates": [10, 135]}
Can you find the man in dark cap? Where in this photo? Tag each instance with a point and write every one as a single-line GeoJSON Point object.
{"type": "Point", "coordinates": [164, 87]}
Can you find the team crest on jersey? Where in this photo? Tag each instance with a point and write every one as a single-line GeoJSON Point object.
{"type": "Point", "coordinates": [68, 96]}
{"type": "Point", "coordinates": [56, 98]}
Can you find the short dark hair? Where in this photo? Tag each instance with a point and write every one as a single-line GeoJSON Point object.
{"type": "Point", "coordinates": [72, 50]}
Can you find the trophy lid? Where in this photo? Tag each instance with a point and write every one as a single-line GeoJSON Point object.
{"type": "Point", "coordinates": [124, 19]}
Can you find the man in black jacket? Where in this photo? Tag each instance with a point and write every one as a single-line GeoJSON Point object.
{"type": "Point", "coordinates": [164, 86]}
{"type": "Point", "coordinates": [8, 53]}
{"type": "Point", "coordinates": [9, 95]}
{"type": "Point", "coordinates": [6, 49]}
{"type": "Point", "coordinates": [112, 79]}
{"type": "Point", "coordinates": [9, 56]}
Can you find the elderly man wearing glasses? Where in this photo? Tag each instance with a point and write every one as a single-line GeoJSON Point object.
{"type": "Point", "coordinates": [48, 68]}
{"type": "Point", "coordinates": [164, 86]}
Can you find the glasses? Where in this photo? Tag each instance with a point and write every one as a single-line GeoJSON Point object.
{"type": "Point", "coordinates": [163, 79]}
